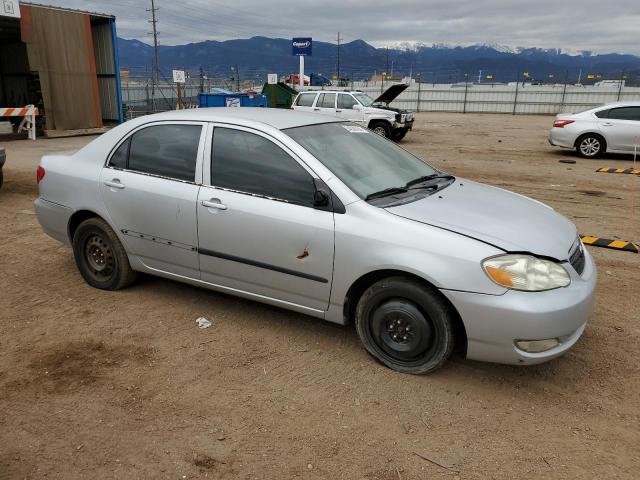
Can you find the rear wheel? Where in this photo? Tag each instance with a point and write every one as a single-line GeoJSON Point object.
{"type": "Point", "coordinates": [405, 325]}
{"type": "Point", "coordinates": [590, 145]}
{"type": "Point", "coordinates": [381, 128]}
{"type": "Point", "coordinates": [100, 256]}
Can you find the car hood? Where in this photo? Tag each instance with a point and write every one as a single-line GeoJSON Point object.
{"type": "Point", "coordinates": [507, 220]}
{"type": "Point", "coordinates": [390, 94]}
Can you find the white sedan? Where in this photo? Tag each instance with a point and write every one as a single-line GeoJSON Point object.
{"type": "Point", "coordinates": [612, 128]}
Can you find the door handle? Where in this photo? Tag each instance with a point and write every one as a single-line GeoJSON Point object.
{"type": "Point", "coordinates": [316, 109]}
{"type": "Point", "coordinates": [115, 183]}
{"type": "Point", "coordinates": [338, 111]}
{"type": "Point", "coordinates": [213, 203]}
{"type": "Point", "coordinates": [607, 124]}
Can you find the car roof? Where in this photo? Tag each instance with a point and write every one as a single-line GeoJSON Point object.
{"type": "Point", "coordinates": [248, 116]}
{"type": "Point", "coordinates": [628, 103]}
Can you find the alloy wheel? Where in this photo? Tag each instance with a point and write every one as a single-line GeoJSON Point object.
{"type": "Point", "coordinates": [590, 146]}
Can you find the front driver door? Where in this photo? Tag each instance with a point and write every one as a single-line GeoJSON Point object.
{"type": "Point", "coordinates": [345, 109]}
{"type": "Point", "coordinates": [258, 230]}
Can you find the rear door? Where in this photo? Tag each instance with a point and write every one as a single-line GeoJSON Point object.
{"type": "Point", "coordinates": [304, 101]}
{"type": "Point", "coordinates": [258, 230]}
{"type": "Point", "coordinates": [150, 188]}
{"type": "Point", "coordinates": [621, 128]}
{"type": "Point", "coordinates": [326, 104]}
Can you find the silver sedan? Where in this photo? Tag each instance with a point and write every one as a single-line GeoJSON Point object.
{"type": "Point", "coordinates": [612, 128]}
{"type": "Point", "coordinates": [323, 217]}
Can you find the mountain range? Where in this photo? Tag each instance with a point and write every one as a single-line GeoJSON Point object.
{"type": "Point", "coordinates": [254, 57]}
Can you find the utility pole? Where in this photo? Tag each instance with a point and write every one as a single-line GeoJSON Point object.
{"type": "Point", "coordinates": [386, 68]}
{"type": "Point", "coordinates": [201, 80]}
{"type": "Point", "coordinates": [338, 60]}
{"type": "Point", "coordinates": [156, 66]}
{"type": "Point", "coordinates": [237, 79]}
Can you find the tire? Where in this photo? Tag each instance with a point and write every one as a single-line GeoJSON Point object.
{"type": "Point", "coordinates": [100, 257]}
{"type": "Point", "coordinates": [399, 134]}
{"type": "Point", "coordinates": [424, 338]}
{"type": "Point", "coordinates": [381, 128]}
{"type": "Point", "coordinates": [590, 145]}
{"type": "Point", "coordinates": [1, 178]}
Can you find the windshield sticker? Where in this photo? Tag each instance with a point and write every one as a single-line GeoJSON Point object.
{"type": "Point", "coordinates": [355, 129]}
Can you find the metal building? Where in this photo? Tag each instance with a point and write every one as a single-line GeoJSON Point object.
{"type": "Point", "coordinates": [63, 61]}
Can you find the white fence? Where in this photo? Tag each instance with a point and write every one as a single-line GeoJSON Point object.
{"type": "Point", "coordinates": [516, 99]}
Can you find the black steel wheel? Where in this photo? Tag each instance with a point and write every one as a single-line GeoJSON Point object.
{"type": "Point", "coordinates": [405, 325]}
{"type": "Point", "coordinates": [100, 257]}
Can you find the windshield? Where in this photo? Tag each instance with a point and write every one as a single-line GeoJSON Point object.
{"type": "Point", "coordinates": [365, 162]}
{"type": "Point", "coordinates": [364, 99]}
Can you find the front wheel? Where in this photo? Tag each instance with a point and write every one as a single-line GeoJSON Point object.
{"type": "Point", "coordinates": [381, 128]}
{"type": "Point", "coordinates": [590, 146]}
{"type": "Point", "coordinates": [405, 325]}
{"type": "Point", "coordinates": [399, 134]}
{"type": "Point", "coordinates": [100, 256]}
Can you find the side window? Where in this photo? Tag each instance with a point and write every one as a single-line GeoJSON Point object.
{"type": "Point", "coordinates": [121, 155]}
{"type": "Point", "coordinates": [246, 162]}
{"type": "Point", "coordinates": [603, 114]}
{"type": "Point", "coordinates": [305, 99]}
{"type": "Point", "coordinates": [346, 101]}
{"type": "Point", "coordinates": [625, 113]}
{"type": "Point", "coordinates": [328, 100]}
{"type": "Point", "coordinates": [167, 150]}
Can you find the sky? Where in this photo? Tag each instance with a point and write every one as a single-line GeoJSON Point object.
{"type": "Point", "coordinates": [578, 25]}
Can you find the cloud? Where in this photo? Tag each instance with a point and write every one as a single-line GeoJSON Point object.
{"type": "Point", "coordinates": [601, 27]}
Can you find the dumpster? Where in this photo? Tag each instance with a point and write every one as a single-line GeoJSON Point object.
{"type": "Point", "coordinates": [231, 100]}
{"type": "Point", "coordinates": [279, 95]}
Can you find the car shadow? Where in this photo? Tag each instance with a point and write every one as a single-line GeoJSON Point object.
{"type": "Point", "coordinates": [606, 157]}
{"type": "Point", "coordinates": [254, 314]}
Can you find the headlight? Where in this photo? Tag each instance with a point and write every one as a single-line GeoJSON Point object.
{"type": "Point", "coordinates": [403, 117]}
{"type": "Point", "coordinates": [525, 272]}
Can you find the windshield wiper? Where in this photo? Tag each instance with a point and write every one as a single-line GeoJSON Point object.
{"type": "Point", "coordinates": [426, 178]}
{"type": "Point", "coordinates": [386, 192]}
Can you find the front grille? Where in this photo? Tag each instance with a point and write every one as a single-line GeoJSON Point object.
{"type": "Point", "coordinates": [576, 259]}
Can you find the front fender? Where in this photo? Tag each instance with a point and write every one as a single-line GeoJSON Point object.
{"type": "Point", "coordinates": [370, 239]}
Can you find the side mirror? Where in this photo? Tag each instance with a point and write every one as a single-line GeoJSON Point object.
{"type": "Point", "coordinates": [320, 198]}
{"type": "Point", "coordinates": [357, 106]}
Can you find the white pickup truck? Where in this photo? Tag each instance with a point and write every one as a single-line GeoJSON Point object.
{"type": "Point", "coordinates": [358, 107]}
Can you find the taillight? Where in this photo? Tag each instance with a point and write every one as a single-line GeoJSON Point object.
{"type": "Point", "coordinates": [562, 123]}
{"type": "Point", "coordinates": [40, 174]}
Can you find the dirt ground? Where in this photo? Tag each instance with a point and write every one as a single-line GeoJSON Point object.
{"type": "Point", "coordinates": [98, 384]}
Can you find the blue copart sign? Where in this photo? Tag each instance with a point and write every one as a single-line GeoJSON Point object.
{"type": "Point", "coordinates": [301, 46]}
